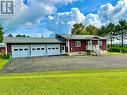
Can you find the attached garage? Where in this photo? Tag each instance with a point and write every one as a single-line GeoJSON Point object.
{"type": "Point", "coordinates": [32, 47]}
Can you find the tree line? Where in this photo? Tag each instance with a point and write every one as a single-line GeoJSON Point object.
{"type": "Point", "coordinates": [111, 28]}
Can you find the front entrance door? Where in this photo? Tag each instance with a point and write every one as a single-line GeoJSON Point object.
{"type": "Point", "coordinates": [63, 49]}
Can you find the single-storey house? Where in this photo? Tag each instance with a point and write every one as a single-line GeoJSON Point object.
{"type": "Point", "coordinates": [78, 44]}
{"type": "Point", "coordinates": [62, 44]}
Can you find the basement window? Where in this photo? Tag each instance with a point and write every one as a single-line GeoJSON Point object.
{"type": "Point", "coordinates": [78, 43]}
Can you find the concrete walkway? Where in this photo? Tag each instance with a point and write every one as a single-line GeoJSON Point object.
{"type": "Point", "coordinates": [65, 63]}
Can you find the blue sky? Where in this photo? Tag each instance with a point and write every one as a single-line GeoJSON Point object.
{"type": "Point", "coordinates": [48, 17]}
{"type": "Point", "coordinates": [86, 6]}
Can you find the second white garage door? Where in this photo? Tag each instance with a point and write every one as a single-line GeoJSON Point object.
{"type": "Point", "coordinates": [38, 50]}
{"type": "Point", "coordinates": [53, 49]}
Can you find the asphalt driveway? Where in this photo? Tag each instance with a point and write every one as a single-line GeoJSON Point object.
{"type": "Point", "coordinates": [64, 63]}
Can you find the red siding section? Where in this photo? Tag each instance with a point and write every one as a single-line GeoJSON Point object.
{"type": "Point", "coordinates": [84, 43]}
{"type": "Point", "coordinates": [73, 47]}
{"type": "Point", "coordinates": [2, 49]}
{"type": "Point", "coordinates": [8, 48]}
{"type": "Point", "coordinates": [104, 45]}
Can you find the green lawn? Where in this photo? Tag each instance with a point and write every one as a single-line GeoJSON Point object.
{"type": "Point", "coordinates": [3, 62]}
{"type": "Point", "coordinates": [81, 82]}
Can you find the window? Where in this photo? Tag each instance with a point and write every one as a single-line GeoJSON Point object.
{"type": "Point", "coordinates": [38, 48]}
{"type": "Point", "coordinates": [15, 49]}
{"type": "Point", "coordinates": [20, 49]}
{"type": "Point", "coordinates": [33, 48]}
{"type": "Point", "coordinates": [100, 43]}
{"type": "Point", "coordinates": [49, 48]}
{"type": "Point", "coordinates": [53, 48]}
{"type": "Point", "coordinates": [78, 43]}
{"type": "Point", "coordinates": [26, 49]}
{"type": "Point", "coordinates": [57, 48]}
{"type": "Point", "coordinates": [89, 43]}
{"type": "Point", "coordinates": [42, 48]}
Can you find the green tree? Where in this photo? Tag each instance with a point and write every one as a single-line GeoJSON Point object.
{"type": "Point", "coordinates": [10, 35]}
{"type": "Point", "coordinates": [122, 29]}
{"type": "Point", "coordinates": [78, 28]}
{"type": "Point", "coordinates": [1, 34]}
{"type": "Point", "coordinates": [91, 29]}
{"type": "Point", "coordinates": [19, 35]}
{"type": "Point", "coordinates": [111, 27]}
{"type": "Point", "coordinates": [102, 31]}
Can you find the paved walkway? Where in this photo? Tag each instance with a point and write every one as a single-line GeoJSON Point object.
{"type": "Point", "coordinates": [65, 63]}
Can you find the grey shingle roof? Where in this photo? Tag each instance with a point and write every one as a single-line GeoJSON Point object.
{"type": "Point", "coordinates": [81, 37]}
{"type": "Point", "coordinates": [31, 40]}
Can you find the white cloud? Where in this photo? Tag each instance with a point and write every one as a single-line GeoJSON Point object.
{"type": "Point", "coordinates": [62, 22]}
{"type": "Point", "coordinates": [93, 19]}
{"type": "Point", "coordinates": [41, 17]}
{"type": "Point", "coordinates": [31, 13]}
{"type": "Point", "coordinates": [109, 13]}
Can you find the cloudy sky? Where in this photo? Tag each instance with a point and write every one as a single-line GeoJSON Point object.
{"type": "Point", "coordinates": [48, 17]}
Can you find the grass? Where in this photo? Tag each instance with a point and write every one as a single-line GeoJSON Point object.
{"type": "Point", "coordinates": [80, 82]}
{"type": "Point", "coordinates": [3, 62]}
{"type": "Point", "coordinates": [114, 53]}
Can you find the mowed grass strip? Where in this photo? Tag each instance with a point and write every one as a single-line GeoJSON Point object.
{"type": "Point", "coordinates": [3, 62]}
{"type": "Point", "coordinates": [80, 82]}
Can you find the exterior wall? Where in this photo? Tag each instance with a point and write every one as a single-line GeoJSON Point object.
{"type": "Point", "coordinates": [84, 43]}
{"type": "Point", "coordinates": [73, 47]}
{"type": "Point", "coordinates": [2, 49]}
{"type": "Point", "coordinates": [9, 48]}
{"type": "Point", "coordinates": [104, 45]}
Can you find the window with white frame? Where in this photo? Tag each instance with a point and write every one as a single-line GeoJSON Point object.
{"type": "Point", "coordinates": [100, 43]}
{"type": "Point", "coordinates": [78, 43]}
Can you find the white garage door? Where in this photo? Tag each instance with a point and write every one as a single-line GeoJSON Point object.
{"type": "Point", "coordinates": [38, 50]}
{"type": "Point", "coordinates": [53, 49]}
{"type": "Point", "coordinates": [20, 51]}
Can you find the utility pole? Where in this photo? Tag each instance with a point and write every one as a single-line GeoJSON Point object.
{"type": "Point", "coordinates": [111, 35]}
{"type": "Point", "coordinates": [122, 40]}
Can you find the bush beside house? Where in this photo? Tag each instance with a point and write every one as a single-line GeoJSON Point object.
{"type": "Point", "coordinates": [117, 48]}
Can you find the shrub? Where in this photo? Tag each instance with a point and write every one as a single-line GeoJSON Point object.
{"type": "Point", "coordinates": [117, 48]}
{"type": "Point", "coordinates": [6, 56]}
{"type": "Point", "coordinates": [114, 49]}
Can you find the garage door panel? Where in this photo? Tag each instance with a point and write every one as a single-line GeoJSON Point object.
{"type": "Point", "coordinates": [38, 50]}
{"type": "Point", "coordinates": [20, 51]}
{"type": "Point", "coordinates": [53, 49]}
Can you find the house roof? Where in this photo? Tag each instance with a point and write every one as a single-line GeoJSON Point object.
{"type": "Point", "coordinates": [81, 37]}
{"type": "Point", "coordinates": [31, 40]}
